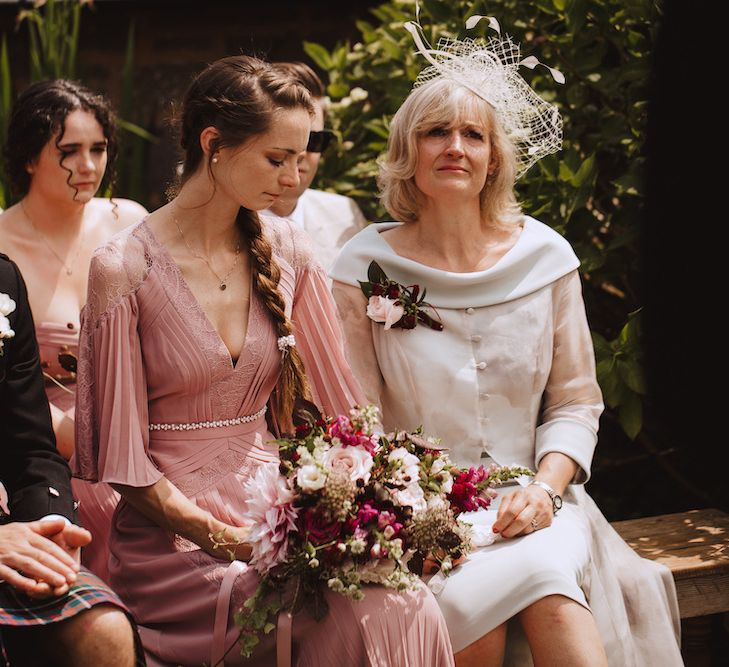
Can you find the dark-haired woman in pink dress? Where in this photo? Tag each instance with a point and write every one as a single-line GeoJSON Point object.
{"type": "Point", "coordinates": [201, 322]}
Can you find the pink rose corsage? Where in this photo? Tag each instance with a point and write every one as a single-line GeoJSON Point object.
{"type": "Point", "coordinates": [395, 305]}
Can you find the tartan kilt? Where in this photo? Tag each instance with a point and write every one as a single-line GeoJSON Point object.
{"type": "Point", "coordinates": [18, 610]}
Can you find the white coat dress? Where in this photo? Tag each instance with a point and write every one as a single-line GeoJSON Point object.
{"type": "Point", "coordinates": [510, 378]}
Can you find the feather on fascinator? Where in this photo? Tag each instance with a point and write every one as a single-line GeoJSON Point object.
{"type": "Point", "coordinates": [490, 69]}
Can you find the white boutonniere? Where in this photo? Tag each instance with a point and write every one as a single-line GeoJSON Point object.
{"type": "Point", "coordinates": [7, 306]}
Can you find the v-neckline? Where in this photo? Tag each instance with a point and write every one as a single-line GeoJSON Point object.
{"type": "Point", "coordinates": [233, 364]}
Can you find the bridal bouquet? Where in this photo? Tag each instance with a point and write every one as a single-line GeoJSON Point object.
{"type": "Point", "coordinates": [345, 507]}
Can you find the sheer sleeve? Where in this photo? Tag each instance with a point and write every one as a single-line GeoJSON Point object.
{"type": "Point", "coordinates": [316, 326]}
{"type": "Point", "coordinates": [358, 342]}
{"type": "Point", "coordinates": [572, 399]}
{"type": "Point", "coordinates": [112, 435]}
{"type": "Point", "coordinates": [320, 342]}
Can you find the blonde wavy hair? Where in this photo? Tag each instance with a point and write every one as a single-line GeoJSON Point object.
{"type": "Point", "coordinates": [445, 103]}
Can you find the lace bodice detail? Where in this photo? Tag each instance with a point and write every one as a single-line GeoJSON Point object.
{"type": "Point", "coordinates": [149, 354]}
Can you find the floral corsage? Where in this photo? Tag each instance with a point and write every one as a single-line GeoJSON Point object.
{"type": "Point", "coordinates": [396, 305]}
{"type": "Point", "coordinates": [7, 306]}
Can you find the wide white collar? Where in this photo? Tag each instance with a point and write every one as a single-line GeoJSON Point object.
{"type": "Point", "coordinates": [538, 258]}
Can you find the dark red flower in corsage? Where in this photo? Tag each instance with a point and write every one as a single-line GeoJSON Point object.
{"type": "Point", "coordinates": [396, 305]}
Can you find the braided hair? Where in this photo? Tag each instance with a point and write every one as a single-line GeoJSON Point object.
{"type": "Point", "coordinates": [238, 96]}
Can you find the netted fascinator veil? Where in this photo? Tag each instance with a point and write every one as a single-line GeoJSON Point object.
{"type": "Point", "coordinates": [490, 70]}
{"type": "Point", "coordinates": [632, 599]}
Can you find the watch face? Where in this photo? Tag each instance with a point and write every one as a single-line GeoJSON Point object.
{"type": "Point", "coordinates": [557, 502]}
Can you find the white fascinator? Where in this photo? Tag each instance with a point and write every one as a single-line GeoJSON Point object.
{"type": "Point", "coordinates": [490, 69]}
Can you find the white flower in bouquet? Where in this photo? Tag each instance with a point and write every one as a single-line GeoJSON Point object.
{"type": "Point", "coordinates": [311, 477]}
{"type": "Point", "coordinates": [368, 417]}
{"type": "Point", "coordinates": [354, 461]}
{"type": "Point", "coordinates": [481, 535]}
{"type": "Point", "coordinates": [407, 466]}
{"type": "Point", "coordinates": [447, 483]}
{"type": "Point", "coordinates": [437, 503]}
{"type": "Point", "coordinates": [377, 571]}
{"type": "Point", "coordinates": [412, 496]}
{"type": "Point", "coordinates": [357, 546]}
{"type": "Point", "coordinates": [306, 458]}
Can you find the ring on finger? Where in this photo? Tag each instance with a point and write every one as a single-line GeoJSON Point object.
{"type": "Point", "coordinates": [534, 524]}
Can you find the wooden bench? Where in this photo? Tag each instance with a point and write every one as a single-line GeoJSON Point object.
{"type": "Point", "coordinates": [695, 547]}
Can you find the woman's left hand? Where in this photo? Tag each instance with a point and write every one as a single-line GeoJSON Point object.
{"type": "Point", "coordinates": [521, 511]}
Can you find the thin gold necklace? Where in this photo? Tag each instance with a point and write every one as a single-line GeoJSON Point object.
{"type": "Point", "coordinates": [223, 282]}
{"type": "Point", "coordinates": [69, 269]}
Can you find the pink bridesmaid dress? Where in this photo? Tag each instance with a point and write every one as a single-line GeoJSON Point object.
{"type": "Point", "coordinates": [96, 502]}
{"type": "Point", "coordinates": [155, 384]}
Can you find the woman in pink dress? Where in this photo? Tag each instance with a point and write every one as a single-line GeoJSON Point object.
{"type": "Point", "coordinates": [60, 151]}
{"type": "Point", "coordinates": [198, 326]}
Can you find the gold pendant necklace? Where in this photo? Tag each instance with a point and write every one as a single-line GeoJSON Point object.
{"type": "Point", "coordinates": [68, 268]}
{"type": "Point", "coordinates": [223, 282]}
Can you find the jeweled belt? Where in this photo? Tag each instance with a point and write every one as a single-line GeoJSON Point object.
{"type": "Point", "coordinates": [215, 423]}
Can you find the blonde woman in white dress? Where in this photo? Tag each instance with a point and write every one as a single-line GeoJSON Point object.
{"type": "Point", "coordinates": [510, 379]}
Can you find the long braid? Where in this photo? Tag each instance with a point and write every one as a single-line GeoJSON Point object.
{"type": "Point", "coordinates": [239, 96]}
{"type": "Point", "coordinates": [266, 273]}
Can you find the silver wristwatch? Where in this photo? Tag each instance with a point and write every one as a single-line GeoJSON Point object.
{"type": "Point", "coordinates": [554, 496]}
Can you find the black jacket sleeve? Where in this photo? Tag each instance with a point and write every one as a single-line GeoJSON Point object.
{"type": "Point", "coordinates": [35, 475]}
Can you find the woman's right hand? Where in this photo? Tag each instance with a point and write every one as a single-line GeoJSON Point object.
{"type": "Point", "coordinates": [164, 504]}
{"type": "Point", "coordinates": [230, 543]}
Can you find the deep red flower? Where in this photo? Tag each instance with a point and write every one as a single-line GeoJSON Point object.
{"type": "Point", "coordinates": [318, 530]}
{"type": "Point", "coordinates": [465, 495]}
{"type": "Point", "coordinates": [408, 321]}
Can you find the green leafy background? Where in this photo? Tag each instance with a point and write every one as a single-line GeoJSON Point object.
{"type": "Point", "coordinates": [591, 192]}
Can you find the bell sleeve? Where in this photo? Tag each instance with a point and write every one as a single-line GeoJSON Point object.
{"type": "Point", "coordinates": [112, 425]}
{"type": "Point", "coordinates": [320, 342]}
{"type": "Point", "coordinates": [572, 401]}
{"type": "Point", "coordinates": [359, 341]}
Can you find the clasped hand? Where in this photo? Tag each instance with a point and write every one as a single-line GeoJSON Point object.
{"type": "Point", "coordinates": [41, 558]}
{"type": "Point", "coordinates": [519, 509]}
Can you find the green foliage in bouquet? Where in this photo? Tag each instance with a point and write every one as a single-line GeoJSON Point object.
{"type": "Point", "coordinates": [591, 192]}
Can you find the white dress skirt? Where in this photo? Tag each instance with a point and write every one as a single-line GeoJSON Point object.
{"type": "Point", "coordinates": [498, 581]}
